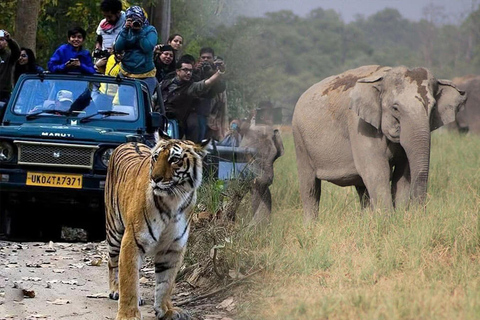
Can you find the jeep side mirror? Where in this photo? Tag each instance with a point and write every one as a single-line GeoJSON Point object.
{"type": "Point", "coordinates": [156, 119]}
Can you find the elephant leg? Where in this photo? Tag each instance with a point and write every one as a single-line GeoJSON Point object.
{"type": "Point", "coordinates": [310, 191]}
{"type": "Point", "coordinates": [401, 184]}
{"type": "Point", "coordinates": [375, 173]}
{"type": "Point", "coordinates": [363, 195]}
{"type": "Point", "coordinates": [261, 203]}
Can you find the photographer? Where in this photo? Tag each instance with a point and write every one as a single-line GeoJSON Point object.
{"type": "Point", "coordinates": [137, 40]}
{"type": "Point", "coordinates": [180, 92]}
{"type": "Point", "coordinates": [9, 53]}
{"type": "Point", "coordinates": [197, 122]}
{"type": "Point", "coordinates": [71, 57]}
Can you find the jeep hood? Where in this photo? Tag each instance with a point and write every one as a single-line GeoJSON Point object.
{"type": "Point", "coordinates": [64, 132]}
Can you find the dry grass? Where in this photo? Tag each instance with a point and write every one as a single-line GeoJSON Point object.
{"type": "Point", "coordinates": [354, 264]}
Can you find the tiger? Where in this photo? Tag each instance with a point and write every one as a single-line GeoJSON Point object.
{"type": "Point", "coordinates": [150, 194]}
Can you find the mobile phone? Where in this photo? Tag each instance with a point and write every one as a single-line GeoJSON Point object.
{"type": "Point", "coordinates": [2, 33]}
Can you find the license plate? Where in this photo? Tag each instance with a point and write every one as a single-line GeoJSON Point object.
{"type": "Point", "coordinates": [54, 180]}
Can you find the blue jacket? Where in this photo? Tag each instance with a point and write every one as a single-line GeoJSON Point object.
{"type": "Point", "coordinates": [138, 47]}
{"type": "Point", "coordinates": [65, 52]}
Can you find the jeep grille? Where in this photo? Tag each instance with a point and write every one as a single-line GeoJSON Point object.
{"type": "Point", "coordinates": [55, 154]}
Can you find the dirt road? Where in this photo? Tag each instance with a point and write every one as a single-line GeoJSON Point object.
{"type": "Point", "coordinates": [69, 281]}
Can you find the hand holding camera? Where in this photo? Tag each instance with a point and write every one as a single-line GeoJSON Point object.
{"type": "Point", "coordinates": [133, 24]}
{"type": "Point", "coordinates": [220, 65]}
{"type": "Point", "coordinates": [4, 34]}
{"type": "Point", "coordinates": [73, 63]}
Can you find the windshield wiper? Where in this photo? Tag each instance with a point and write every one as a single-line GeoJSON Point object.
{"type": "Point", "coordinates": [50, 111]}
{"type": "Point", "coordinates": [105, 114]}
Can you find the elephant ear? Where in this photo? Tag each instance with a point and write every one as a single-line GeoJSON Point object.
{"type": "Point", "coordinates": [365, 100]}
{"type": "Point", "coordinates": [277, 140]}
{"type": "Point", "coordinates": [449, 100]}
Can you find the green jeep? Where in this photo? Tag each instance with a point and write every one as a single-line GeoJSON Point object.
{"type": "Point", "coordinates": [57, 133]}
{"type": "Point", "coordinates": [56, 136]}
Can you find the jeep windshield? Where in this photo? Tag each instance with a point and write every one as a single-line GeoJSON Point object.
{"type": "Point", "coordinates": [77, 98]}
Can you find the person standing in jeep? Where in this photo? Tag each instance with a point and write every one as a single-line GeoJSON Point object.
{"type": "Point", "coordinates": [8, 57]}
{"type": "Point", "coordinates": [111, 25]}
{"type": "Point", "coordinates": [179, 92]}
{"type": "Point", "coordinates": [71, 57]}
{"type": "Point", "coordinates": [137, 40]}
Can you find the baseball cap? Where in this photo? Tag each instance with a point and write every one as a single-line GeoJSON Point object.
{"type": "Point", "coordinates": [64, 95]}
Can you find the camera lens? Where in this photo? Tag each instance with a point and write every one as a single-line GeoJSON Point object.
{"type": "Point", "coordinates": [136, 24]}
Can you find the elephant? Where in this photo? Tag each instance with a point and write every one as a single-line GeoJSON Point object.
{"type": "Point", "coordinates": [370, 127]}
{"type": "Point", "coordinates": [468, 118]}
{"type": "Point", "coordinates": [264, 146]}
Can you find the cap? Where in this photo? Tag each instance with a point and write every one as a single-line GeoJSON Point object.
{"type": "Point", "coordinates": [65, 95]}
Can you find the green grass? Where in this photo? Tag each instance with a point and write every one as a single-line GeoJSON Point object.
{"type": "Point", "coordinates": [422, 263]}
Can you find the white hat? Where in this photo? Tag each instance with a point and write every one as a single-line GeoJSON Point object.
{"type": "Point", "coordinates": [64, 95]}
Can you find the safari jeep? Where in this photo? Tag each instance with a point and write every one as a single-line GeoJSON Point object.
{"type": "Point", "coordinates": [54, 158]}
{"type": "Point", "coordinates": [56, 136]}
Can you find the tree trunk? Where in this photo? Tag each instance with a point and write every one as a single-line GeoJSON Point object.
{"type": "Point", "coordinates": [26, 21]}
{"type": "Point", "coordinates": [159, 15]}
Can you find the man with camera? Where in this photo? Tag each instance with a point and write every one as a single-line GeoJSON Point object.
{"type": "Point", "coordinates": [179, 93]}
{"type": "Point", "coordinates": [107, 31]}
{"type": "Point", "coordinates": [137, 40]}
{"type": "Point", "coordinates": [197, 122]}
{"type": "Point", "coordinates": [9, 53]}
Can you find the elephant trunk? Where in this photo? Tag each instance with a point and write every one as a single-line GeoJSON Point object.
{"type": "Point", "coordinates": [415, 140]}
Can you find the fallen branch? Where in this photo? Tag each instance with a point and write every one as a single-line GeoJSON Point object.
{"type": "Point", "coordinates": [214, 292]}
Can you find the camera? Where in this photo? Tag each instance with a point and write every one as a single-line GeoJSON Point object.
{"type": "Point", "coordinates": [206, 66]}
{"type": "Point", "coordinates": [2, 33]}
{"type": "Point", "coordinates": [206, 69]}
{"type": "Point", "coordinates": [136, 24]}
{"type": "Point", "coordinates": [98, 53]}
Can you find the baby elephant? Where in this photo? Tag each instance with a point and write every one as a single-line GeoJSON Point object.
{"type": "Point", "coordinates": [265, 146]}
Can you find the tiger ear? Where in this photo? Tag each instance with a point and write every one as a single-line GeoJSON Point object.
{"type": "Point", "coordinates": [201, 148]}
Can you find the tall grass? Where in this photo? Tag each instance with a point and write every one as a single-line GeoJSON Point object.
{"type": "Point", "coordinates": [363, 264]}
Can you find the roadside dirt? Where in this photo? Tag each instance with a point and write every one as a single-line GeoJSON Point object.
{"type": "Point", "coordinates": [52, 281]}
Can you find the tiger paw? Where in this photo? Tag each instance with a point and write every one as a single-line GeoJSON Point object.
{"type": "Point", "coordinates": [128, 314]}
{"type": "Point", "coordinates": [173, 314]}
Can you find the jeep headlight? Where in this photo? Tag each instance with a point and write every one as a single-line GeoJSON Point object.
{"type": "Point", "coordinates": [6, 151]}
{"type": "Point", "coordinates": [105, 156]}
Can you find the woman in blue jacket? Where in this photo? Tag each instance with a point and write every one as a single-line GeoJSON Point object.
{"type": "Point", "coordinates": [71, 57]}
{"type": "Point", "coordinates": [137, 40]}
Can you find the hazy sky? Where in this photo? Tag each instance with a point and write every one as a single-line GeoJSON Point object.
{"type": "Point", "coordinates": [455, 10]}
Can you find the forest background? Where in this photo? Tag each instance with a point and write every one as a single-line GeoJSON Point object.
{"type": "Point", "coordinates": [278, 56]}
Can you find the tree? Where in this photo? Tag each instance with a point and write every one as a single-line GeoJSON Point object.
{"type": "Point", "coordinates": [26, 22]}
{"type": "Point", "coordinates": [159, 14]}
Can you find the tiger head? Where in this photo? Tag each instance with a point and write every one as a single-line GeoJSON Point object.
{"type": "Point", "coordinates": [176, 166]}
